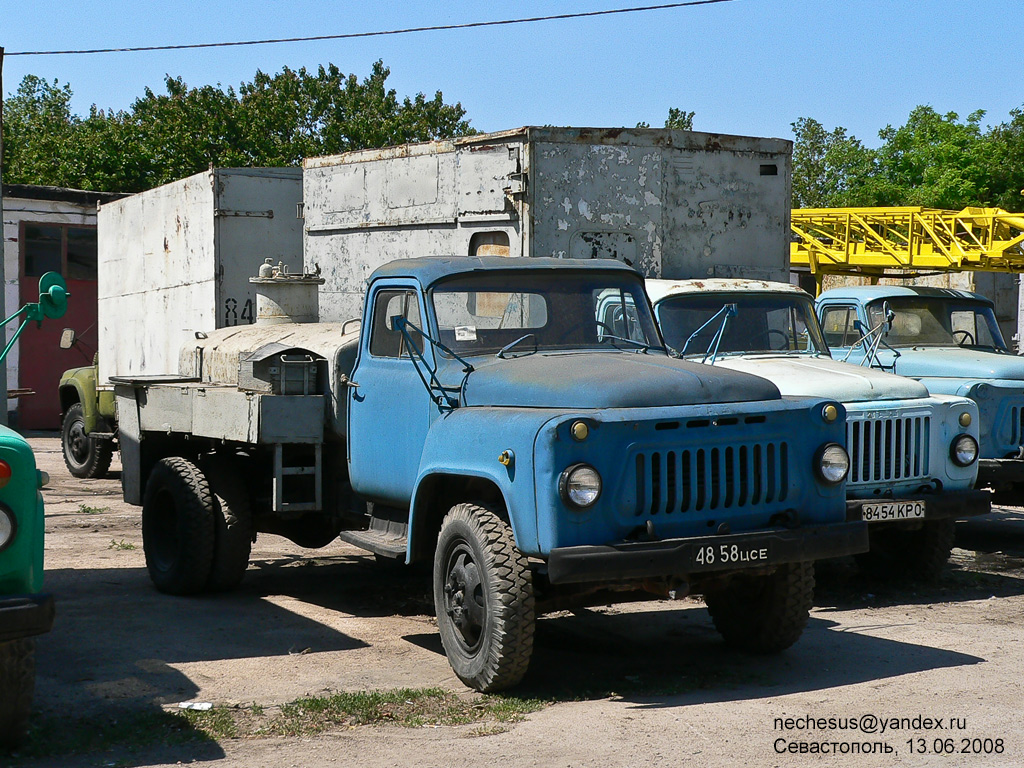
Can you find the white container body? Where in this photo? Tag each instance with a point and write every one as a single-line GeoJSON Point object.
{"type": "Point", "coordinates": [676, 204]}
{"type": "Point", "coordinates": [177, 259]}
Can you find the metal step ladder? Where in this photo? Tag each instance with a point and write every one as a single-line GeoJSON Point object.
{"type": "Point", "coordinates": [292, 493]}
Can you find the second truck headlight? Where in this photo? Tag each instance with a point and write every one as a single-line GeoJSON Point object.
{"type": "Point", "coordinates": [833, 463]}
{"type": "Point", "coordinates": [964, 450]}
{"type": "Point", "coordinates": [579, 486]}
{"type": "Point", "coordinates": [8, 526]}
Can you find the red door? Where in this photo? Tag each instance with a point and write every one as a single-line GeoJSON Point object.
{"type": "Point", "coordinates": [70, 250]}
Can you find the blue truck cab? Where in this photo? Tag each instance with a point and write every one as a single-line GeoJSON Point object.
{"type": "Point", "coordinates": [948, 340]}
{"type": "Point", "coordinates": [485, 421]}
{"type": "Point", "coordinates": [541, 454]}
{"type": "Point", "coordinates": [913, 455]}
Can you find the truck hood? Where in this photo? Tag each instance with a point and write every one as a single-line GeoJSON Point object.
{"type": "Point", "coordinates": [955, 362]}
{"type": "Point", "coordinates": [606, 380]}
{"type": "Point", "coordinates": [825, 377]}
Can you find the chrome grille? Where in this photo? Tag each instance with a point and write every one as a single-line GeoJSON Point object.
{"type": "Point", "coordinates": [727, 477]}
{"type": "Point", "coordinates": [888, 449]}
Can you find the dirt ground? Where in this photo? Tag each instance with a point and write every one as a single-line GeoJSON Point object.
{"type": "Point", "coordinates": [648, 684]}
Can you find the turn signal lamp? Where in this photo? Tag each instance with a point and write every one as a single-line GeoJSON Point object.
{"type": "Point", "coordinates": [5, 473]}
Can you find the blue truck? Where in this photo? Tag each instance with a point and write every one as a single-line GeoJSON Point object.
{"type": "Point", "coordinates": [948, 340]}
{"type": "Point", "coordinates": [482, 419]}
{"type": "Point", "coordinates": [913, 454]}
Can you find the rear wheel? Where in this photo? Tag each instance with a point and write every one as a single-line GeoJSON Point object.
{"type": "Point", "coordinates": [17, 684]}
{"type": "Point", "coordinates": [919, 554]}
{"type": "Point", "coordinates": [178, 527]}
{"type": "Point", "coordinates": [483, 596]}
{"type": "Point", "coordinates": [84, 456]}
{"type": "Point", "coordinates": [232, 518]}
{"type": "Point", "coordinates": [764, 614]}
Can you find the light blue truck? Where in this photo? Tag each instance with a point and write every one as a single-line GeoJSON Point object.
{"type": "Point", "coordinates": [484, 419]}
{"type": "Point", "coordinates": [913, 455]}
{"type": "Point", "coordinates": [949, 341]}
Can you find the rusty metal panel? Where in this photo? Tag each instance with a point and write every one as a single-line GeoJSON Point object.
{"type": "Point", "coordinates": [677, 204]}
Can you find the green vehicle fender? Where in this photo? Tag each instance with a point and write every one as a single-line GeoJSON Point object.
{"type": "Point", "coordinates": [78, 385]}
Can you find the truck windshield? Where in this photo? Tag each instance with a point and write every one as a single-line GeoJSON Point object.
{"type": "Point", "coordinates": [519, 312]}
{"type": "Point", "coordinates": [763, 323]}
{"type": "Point", "coordinates": [927, 321]}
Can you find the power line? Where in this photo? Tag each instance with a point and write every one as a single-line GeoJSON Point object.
{"type": "Point", "coordinates": [351, 35]}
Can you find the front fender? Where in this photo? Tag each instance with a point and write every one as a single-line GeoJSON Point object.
{"type": "Point", "coordinates": [1000, 411]}
{"type": "Point", "coordinates": [468, 443]}
{"type": "Point", "coordinates": [79, 385]}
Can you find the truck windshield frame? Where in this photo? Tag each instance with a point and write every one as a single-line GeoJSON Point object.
{"type": "Point", "coordinates": [765, 323]}
{"type": "Point", "coordinates": [486, 313]}
{"type": "Point", "coordinates": [927, 321]}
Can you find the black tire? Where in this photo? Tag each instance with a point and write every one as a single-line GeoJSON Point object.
{"type": "Point", "coordinates": [232, 518]}
{"type": "Point", "coordinates": [897, 553]}
{"type": "Point", "coordinates": [489, 638]}
{"type": "Point", "coordinates": [84, 456]}
{"type": "Point", "coordinates": [178, 528]}
{"type": "Point", "coordinates": [764, 614]}
{"type": "Point", "coordinates": [17, 684]}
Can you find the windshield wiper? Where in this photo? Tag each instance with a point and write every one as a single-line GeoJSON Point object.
{"type": "Point", "coordinates": [511, 344]}
{"type": "Point", "coordinates": [642, 345]}
{"type": "Point", "coordinates": [727, 311]}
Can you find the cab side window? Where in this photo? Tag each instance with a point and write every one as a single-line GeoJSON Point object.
{"type": "Point", "coordinates": [386, 340]}
{"type": "Point", "coordinates": [837, 325]}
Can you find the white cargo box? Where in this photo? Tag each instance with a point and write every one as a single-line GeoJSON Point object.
{"type": "Point", "coordinates": [177, 259]}
{"type": "Point", "coordinates": [675, 204]}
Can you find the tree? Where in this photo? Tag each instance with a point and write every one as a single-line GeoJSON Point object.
{"type": "Point", "coordinates": [677, 119]}
{"type": "Point", "coordinates": [274, 120]}
{"type": "Point", "coordinates": [828, 166]}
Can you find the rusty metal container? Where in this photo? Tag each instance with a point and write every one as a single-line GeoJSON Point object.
{"type": "Point", "coordinates": [675, 204]}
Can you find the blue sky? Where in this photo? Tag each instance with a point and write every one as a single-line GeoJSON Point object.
{"type": "Point", "coordinates": [747, 67]}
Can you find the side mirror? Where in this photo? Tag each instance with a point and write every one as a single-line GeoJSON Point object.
{"type": "Point", "coordinates": [67, 338]}
{"type": "Point", "coordinates": [889, 316]}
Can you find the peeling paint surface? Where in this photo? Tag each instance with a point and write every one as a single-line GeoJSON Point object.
{"type": "Point", "coordinates": [675, 204]}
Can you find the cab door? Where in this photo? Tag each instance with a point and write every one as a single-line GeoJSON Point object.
{"type": "Point", "coordinates": [388, 406]}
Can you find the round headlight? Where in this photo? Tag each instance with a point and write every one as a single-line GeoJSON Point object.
{"type": "Point", "coordinates": [7, 527]}
{"type": "Point", "coordinates": [964, 450]}
{"type": "Point", "coordinates": [833, 463]}
{"type": "Point", "coordinates": [580, 485]}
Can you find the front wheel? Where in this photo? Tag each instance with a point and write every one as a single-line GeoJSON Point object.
{"type": "Point", "coordinates": [764, 614]}
{"type": "Point", "coordinates": [897, 553]}
{"type": "Point", "coordinates": [84, 456]}
{"type": "Point", "coordinates": [483, 596]}
{"type": "Point", "coordinates": [17, 684]}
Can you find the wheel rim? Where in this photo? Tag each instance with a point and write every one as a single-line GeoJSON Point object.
{"type": "Point", "coordinates": [78, 442]}
{"type": "Point", "coordinates": [464, 600]}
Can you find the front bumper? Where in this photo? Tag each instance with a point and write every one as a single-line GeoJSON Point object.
{"type": "Point", "coordinates": [1000, 472]}
{"type": "Point", "coordinates": [629, 560]}
{"type": "Point", "coordinates": [954, 504]}
{"type": "Point", "coordinates": [25, 616]}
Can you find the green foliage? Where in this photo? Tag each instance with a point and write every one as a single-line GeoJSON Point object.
{"type": "Point", "coordinates": [933, 160]}
{"type": "Point", "coordinates": [677, 119]}
{"type": "Point", "coordinates": [274, 120]}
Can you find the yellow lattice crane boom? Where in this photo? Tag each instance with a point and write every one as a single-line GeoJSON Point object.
{"type": "Point", "coordinates": [877, 242]}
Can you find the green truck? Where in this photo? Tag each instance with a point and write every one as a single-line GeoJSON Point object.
{"type": "Point", "coordinates": [25, 611]}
